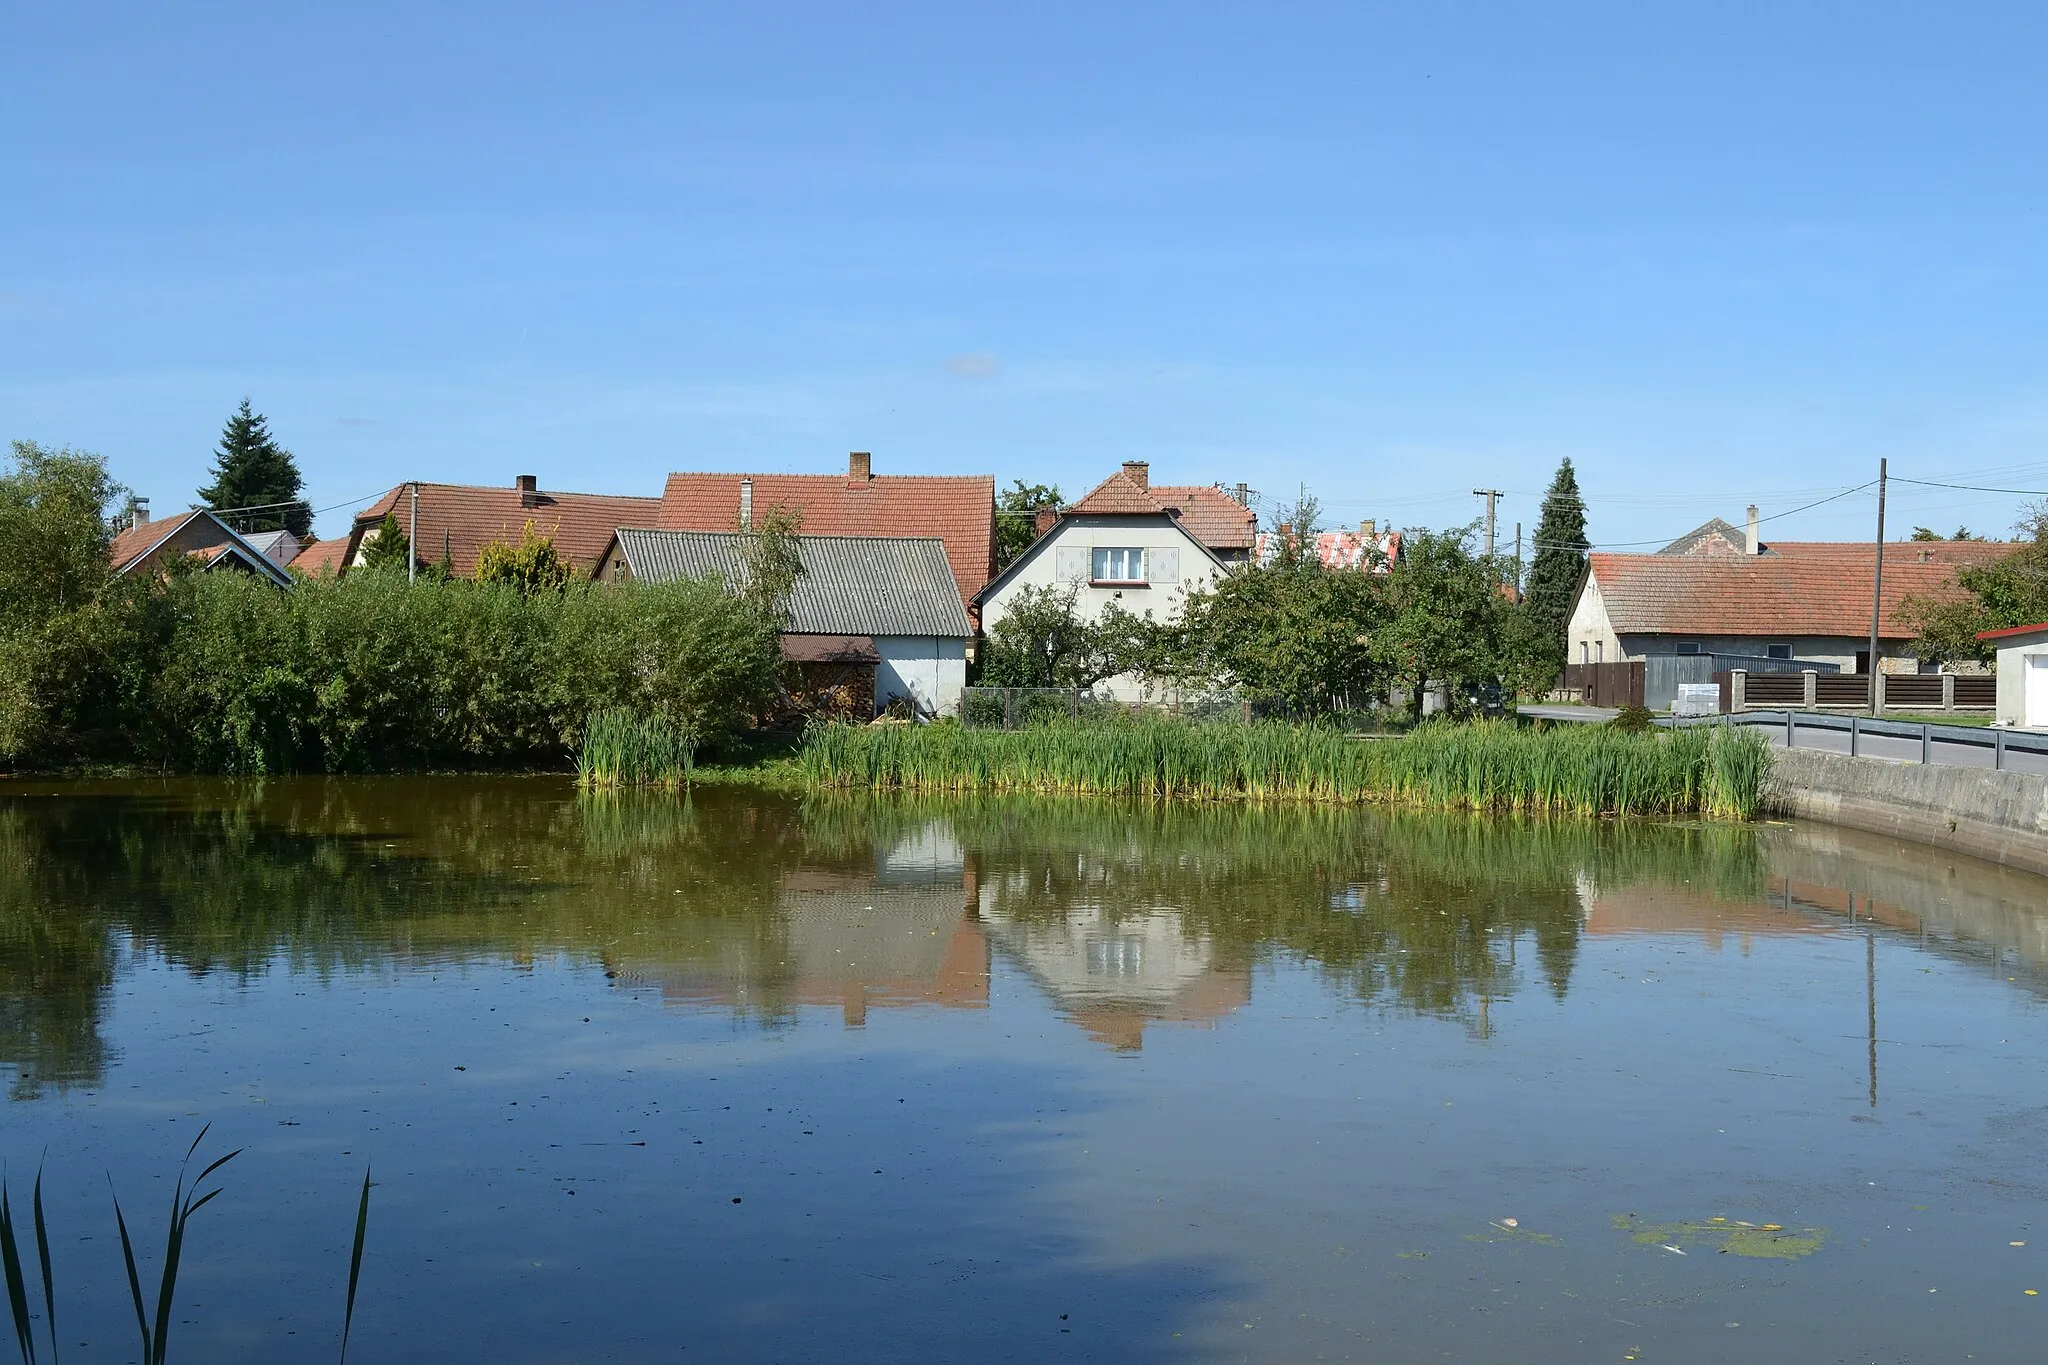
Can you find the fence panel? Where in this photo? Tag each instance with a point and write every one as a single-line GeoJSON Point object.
{"type": "Point", "coordinates": [1977, 690]}
{"type": "Point", "coordinates": [1918, 690]}
{"type": "Point", "coordinates": [1842, 689]}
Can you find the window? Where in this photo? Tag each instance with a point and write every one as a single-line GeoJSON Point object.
{"type": "Point", "coordinates": [1778, 651]}
{"type": "Point", "coordinates": [1118, 566]}
{"type": "Point", "coordinates": [1585, 652]}
{"type": "Point", "coordinates": [1688, 646]}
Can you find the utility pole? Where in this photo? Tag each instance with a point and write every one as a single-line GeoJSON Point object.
{"type": "Point", "coordinates": [1877, 586]}
{"type": "Point", "coordinates": [412, 537]}
{"type": "Point", "coordinates": [1492, 496]}
{"type": "Point", "coordinates": [1518, 559]}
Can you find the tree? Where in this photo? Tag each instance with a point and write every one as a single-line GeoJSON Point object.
{"type": "Point", "coordinates": [1291, 632]}
{"type": "Point", "coordinates": [1447, 617]}
{"type": "Point", "coordinates": [1042, 641]}
{"type": "Point", "coordinates": [250, 469]}
{"type": "Point", "coordinates": [387, 547]}
{"type": "Point", "coordinates": [532, 566]}
{"type": "Point", "coordinates": [1017, 509]}
{"type": "Point", "coordinates": [1561, 547]}
{"type": "Point", "coordinates": [54, 532]}
{"type": "Point", "coordinates": [771, 562]}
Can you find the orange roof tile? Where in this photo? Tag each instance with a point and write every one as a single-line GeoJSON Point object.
{"type": "Point", "coordinates": [1211, 515]}
{"type": "Point", "coordinates": [959, 509]}
{"type": "Point", "coordinates": [321, 557]}
{"type": "Point", "coordinates": [131, 544]}
{"type": "Point", "coordinates": [1119, 495]}
{"type": "Point", "coordinates": [458, 520]}
{"type": "Point", "coordinates": [1797, 588]}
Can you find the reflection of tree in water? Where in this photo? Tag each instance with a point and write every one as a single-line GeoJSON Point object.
{"type": "Point", "coordinates": [1421, 911]}
{"type": "Point", "coordinates": [370, 875]}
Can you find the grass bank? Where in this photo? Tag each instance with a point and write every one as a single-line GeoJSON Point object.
{"type": "Point", "coordinates": [1574, 770]}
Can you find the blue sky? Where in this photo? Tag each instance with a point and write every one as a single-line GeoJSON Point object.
{"type": "Point", "coordinates": [1714, 254]}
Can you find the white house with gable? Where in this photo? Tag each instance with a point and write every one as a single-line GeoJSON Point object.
{"type": "Point", "coordinates": [1125, 544]}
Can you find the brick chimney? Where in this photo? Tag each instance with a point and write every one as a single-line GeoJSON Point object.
{"type": "Point", "coordinates": [1369, 528]}
{"type": "Point", "coordinates": [1755, 546]}
{"type": "Point", "coordinates": [746, 502]}
{"type": "Point", "coordinates": [859, 466]}
{"type": "Point", "coordinates": [1138, 472]}
{"type": "Point", "coordinates": [1046, 519]}
{"type": "Point", "coordinates": [529, 489]}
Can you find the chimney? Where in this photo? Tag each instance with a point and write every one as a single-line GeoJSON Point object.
{"type": "Point", "coordinates": [1755, 546]}
{"type": "Point", "coordinates": [1369, 529]}
{"type": "Point", "coordinates": [859, 466]}
{"type": "Point", "coordinates": [142, 511]}
{"type": "Point", "coordinates": [1138, 472]}
{"type": "Point", "coordinates": [746, 503]}
{"type": "Point", "coordinates": [1046, 519]}
{"type": "Point", "coordinates": [1243, 495]}
{"type": "Point", "coordinates": [529, 489]}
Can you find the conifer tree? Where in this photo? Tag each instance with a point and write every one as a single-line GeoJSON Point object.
{"type": "Point", "coordinates": [388, 547]}
{"type": "Point", "coordinates": [1561, 547]}
{"type": "Point", "coordinates": [250, 469]}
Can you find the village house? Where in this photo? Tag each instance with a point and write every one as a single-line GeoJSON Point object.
{"type": "Point", "coordinates": [452, 523]}
{"type": "Point", "coordinates": [2022, 675]}
{"type": "Point", "coordinates": [959, 510]}
{"type": "Point", "coordinates": [1131, 545]}
{"type": "Point", "coordinates": [199, 536]}
{"type": "Point", "coordinates": [872, 618]}
{"type": "Point", "coordinates": [1716, 591]}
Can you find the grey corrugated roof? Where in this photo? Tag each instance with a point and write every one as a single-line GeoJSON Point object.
{"type": "Point", "coordinates": [852, 585]}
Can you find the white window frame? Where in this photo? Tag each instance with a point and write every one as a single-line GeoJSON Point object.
{"type": "Point", "coordinates": [1104, 558]}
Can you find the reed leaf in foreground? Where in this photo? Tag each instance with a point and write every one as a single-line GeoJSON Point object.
{"type": "Point", "coordinates": [355, 1264]}
{"type": "Point", "coordinates": [183, 1206]}
{"type": "Point", "coordinates": [17, 1282]}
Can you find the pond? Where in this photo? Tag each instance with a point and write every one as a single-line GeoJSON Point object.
{"type": "Point", "coordinates": [745, 1077]}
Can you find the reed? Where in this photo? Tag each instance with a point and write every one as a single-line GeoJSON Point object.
{"type": "Point", "coordinates": [1486, 767]}
{"type": "Point", "coordinates": [628, 749]}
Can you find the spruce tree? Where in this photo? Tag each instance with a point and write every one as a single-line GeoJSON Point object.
{"type": "Point", "coordinates": [1561, 547]}
{"type": "Point", "coordinates": [250, 469]}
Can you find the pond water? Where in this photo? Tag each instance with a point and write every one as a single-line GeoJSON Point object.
{"type": "Point", "coordinates": [749, 1078]}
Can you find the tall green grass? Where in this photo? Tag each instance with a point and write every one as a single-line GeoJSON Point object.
{"type": "Point", "coordinates": [1493, 767]}
{"type": "Point", "coordinates": [628, 749]}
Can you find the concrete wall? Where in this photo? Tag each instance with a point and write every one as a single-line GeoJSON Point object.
{"type": "Point", "coordinates": [930, 670]}
{"type": "Point", "coordinates": [2013, 653]}
{"type": "Point", "coordinates": [2001, 817]}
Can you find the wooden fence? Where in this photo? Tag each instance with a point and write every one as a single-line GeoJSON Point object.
{"type": "Point", "coordinates": [1851, 691]}
{"type": "Point", "coordinates": [1617, 684]}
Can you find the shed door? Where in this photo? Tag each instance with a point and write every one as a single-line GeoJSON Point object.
{"type": "Point", "coordinates": [2037, 691]}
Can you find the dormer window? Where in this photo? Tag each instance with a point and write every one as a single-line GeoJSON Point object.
{"type": "Point", "coordinates": [1117, 565]}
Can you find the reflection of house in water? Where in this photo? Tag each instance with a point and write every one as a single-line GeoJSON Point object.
{"type": "Point", "coordinates": [1112, 973]}
{"type": "Point", "coordinates": [898, 933]}
{"type": "Point", "coordinates": [1654, 908]}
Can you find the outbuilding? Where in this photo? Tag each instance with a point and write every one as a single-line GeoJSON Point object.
{"type": "Point", "coordinates": [2022, 675]}
{"type": "Point", "coordinates": [876, 618]}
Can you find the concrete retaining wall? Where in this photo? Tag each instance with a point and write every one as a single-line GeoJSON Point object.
{"type": "Point", "coordinates": [2001, 817]}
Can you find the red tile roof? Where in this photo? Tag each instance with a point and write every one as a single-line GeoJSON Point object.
{"type": "Point", "coordinates": [460, 519]}
{"type": "Point", "coordinates": [1798, 588]}
{"type": "Point", "coordinates": [959, 509]}
{"type": "Point", "coordinates": [2011, 631]}
{"type": "Point", "coordinates": [133, 543]}
{"type": "Point", "coordinates": [1208, 514]}
{"type": "Point", "coordinates": [321, 557]}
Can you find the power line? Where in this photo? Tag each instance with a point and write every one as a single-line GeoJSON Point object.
{"type": "Point", "coordinates": [1973, 488]}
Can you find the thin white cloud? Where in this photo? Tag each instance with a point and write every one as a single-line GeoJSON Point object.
{"type": "Point", "coordinates": [976, 365]}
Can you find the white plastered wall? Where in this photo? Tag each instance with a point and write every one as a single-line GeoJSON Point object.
{"type": "Point", "coordinates": [1590, 638]}
{"type": "Point", "coordinates": [929, 669]}
{"type": "Point", "coordinates": [1176, 564]}
{"type": "Point", "coordinates": [2015, 656]}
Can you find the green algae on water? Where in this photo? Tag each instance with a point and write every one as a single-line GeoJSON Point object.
{"type": "Point", "coordinates": [1726, 1237]}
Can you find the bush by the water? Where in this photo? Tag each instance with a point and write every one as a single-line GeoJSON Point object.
{"type": "Point", "coordinates": [224, 673]}
{"type": "Point", "coordinates": [1579, 770]}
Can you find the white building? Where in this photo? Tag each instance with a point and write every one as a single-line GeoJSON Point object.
{"type": "Point", "coordinates": [2022, 675]}
{"type": "Point", "coordinates": [1130, 545]}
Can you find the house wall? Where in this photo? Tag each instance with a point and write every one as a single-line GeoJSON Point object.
{"type": "Point", "coordinates": [1062, 560]}
{"type": "Point", "coordinates": [930, 670]}
{"type": "Point", "coordinates": [1839, 650]}
{"type": "Point", "coordinates": [1590, 638]}
{"type": "Point", "coordinates": [2013, 654]}
{"type": "Point", "coordinates": [1175, 565]}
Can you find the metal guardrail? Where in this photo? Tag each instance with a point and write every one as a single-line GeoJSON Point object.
{"type": "Point", "coordinates": [1959, 746]}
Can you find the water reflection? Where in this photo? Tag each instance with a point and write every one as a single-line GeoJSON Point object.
{"type": "Point", "coordinates": [764, 906]}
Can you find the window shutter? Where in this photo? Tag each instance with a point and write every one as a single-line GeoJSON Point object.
{"type": "Point", "coordinates": [1072, 562]}
{"type": "Point", "coordinates": [1164, 564]}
